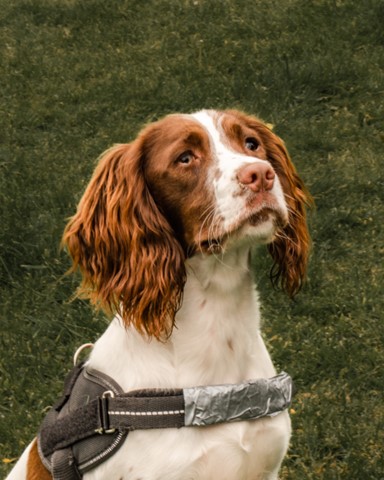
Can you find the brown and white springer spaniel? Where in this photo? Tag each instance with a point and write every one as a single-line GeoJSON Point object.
{"type": "Point", "coordinates": [162, 238]}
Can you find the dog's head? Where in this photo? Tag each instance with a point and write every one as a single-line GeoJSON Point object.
{"type": "Point", "coordinates": [188, 185]}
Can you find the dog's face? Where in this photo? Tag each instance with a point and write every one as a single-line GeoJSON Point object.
{"type": "Point", "coordinates": [188, 185]}
{"type": "Point", "coordinates": [212, 176]}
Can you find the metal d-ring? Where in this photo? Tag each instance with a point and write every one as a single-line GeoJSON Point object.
{"type": "Point", "coordinates": [79, 350]}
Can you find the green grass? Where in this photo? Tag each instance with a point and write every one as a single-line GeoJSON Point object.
{"type": "Point", "coordinates": [78, 76]}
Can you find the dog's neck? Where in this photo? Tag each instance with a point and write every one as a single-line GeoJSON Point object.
{"type": "Point", "coordinates": [216, 338]}
{"type": "Point", "coordinates": [223, 272]}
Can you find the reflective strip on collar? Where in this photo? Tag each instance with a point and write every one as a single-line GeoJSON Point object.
{"type": "Point", "coordinates": [227, 403]}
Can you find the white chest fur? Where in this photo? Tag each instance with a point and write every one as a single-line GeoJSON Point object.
{"type": "Point", "coordinates": [216, 340]}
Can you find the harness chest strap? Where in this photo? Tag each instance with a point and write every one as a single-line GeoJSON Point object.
{"type": "Point", "coordinates": [153, 408]}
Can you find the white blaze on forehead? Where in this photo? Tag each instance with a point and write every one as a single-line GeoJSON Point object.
{"type": "Point", "coordinates": [226, 157]}
{"type": "Point", "coordinates": [228, 160]}
{"type": "Point", "coordinates": [207, 120]}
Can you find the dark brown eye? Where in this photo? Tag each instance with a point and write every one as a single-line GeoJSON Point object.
{"type": "Point", "coordinates": [185, 158]}
{"type": "Point", "coordinates": [251, 144]}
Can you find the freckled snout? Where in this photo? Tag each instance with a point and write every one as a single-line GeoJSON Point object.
{"type": "Point", "coordinates": [257, 177]}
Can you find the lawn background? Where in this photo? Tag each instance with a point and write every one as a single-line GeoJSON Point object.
{"type": "Point", "coordinates": [79, 75]}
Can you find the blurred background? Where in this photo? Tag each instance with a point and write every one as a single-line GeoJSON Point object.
{"type": "Point", "coordinates": [77, 76]}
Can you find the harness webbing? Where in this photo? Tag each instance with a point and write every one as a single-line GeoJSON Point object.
{"type": "Point", "coordinates": [138, 410]}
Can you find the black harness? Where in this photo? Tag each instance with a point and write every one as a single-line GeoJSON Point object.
{"type": "Point", "coordinates": [94, 416]}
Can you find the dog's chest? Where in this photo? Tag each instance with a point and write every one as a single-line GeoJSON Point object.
{"type": "Point", "coordinates": [215, 342]}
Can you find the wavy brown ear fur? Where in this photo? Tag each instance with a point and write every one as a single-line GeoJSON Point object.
{"type": "Point", "coordinates": [126, 250]}
{"type": "Point", "coordinates": [291, 247]}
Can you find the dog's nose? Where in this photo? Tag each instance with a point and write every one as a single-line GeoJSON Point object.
{"type": "Point", "coordinates": [257, 176]}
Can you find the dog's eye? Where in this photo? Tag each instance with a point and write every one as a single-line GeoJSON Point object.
{"type": "Point", "coordinates": [251, 144]}
{"type": "Point", "coordinates": [185, 158]}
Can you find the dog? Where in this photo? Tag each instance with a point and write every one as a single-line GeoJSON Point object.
{"type": "Point", "coordinates": [162, 237]}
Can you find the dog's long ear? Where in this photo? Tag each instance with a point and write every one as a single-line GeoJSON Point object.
{"type": "Point", "coordinates": [130, 261]}
{"type": "Point", "coordinates": [291, 247]}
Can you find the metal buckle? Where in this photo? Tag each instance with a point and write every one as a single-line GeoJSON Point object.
{"type": "Point", "coordinates": [103, 413]}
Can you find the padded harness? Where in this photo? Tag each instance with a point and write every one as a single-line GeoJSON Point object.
{"type": "Point", "coordinates": [94, 416]}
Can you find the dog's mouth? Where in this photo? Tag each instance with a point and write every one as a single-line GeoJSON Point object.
{"type": "Point", "coordinates": [260, 217]}
{"type": "Point", "coordinates": [217, 243]}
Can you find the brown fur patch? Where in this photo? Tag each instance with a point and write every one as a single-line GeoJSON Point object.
{"type": "Point", "coordinates": [35, 468]}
